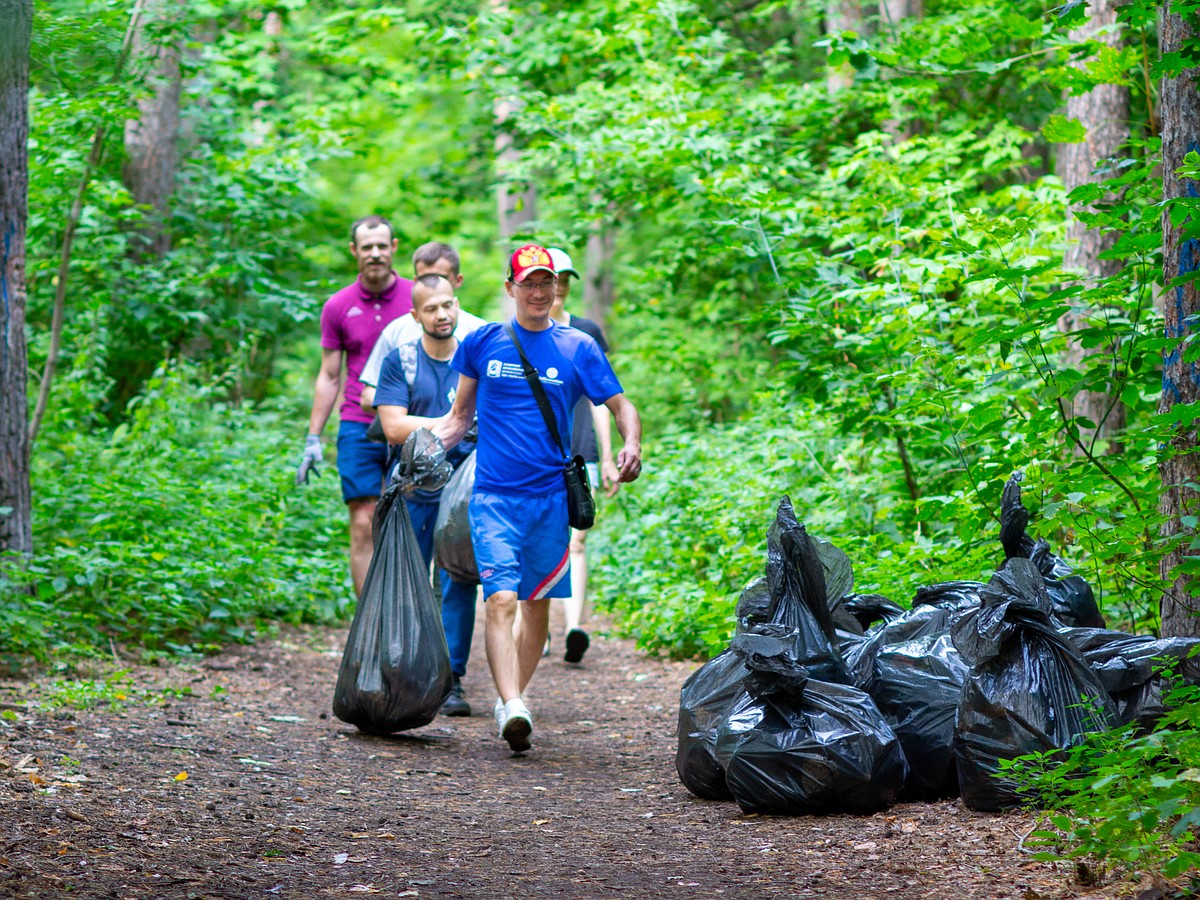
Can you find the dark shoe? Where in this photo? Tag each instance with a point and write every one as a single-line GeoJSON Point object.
{"type": "Point", "coordinates": [456, 704]}
{"type": "Point", "coordinates": [577, 644]}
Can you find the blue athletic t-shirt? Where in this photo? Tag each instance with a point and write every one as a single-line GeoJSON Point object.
{"type": "Point", "coordinates": [434, 386]}
{"type": "Point", "coordinates": [516, 453]}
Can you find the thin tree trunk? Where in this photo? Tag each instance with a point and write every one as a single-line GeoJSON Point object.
{"type": "Point", "coordinates": [841, 15]}
{"type": "Point", "coordinates": [151, 139]}
{"type": "Point", "coordinates": [1180, 469]}
{"type": "Point", "coordinates": [16, 502]}
{"type": "Point", "coordinates": [515, 204]}
{"type": "Point", "coordinates": [1104, 112]}
{"type": "Point", "coordinates": [598, 275]}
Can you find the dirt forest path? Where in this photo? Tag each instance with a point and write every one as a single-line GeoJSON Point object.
{"type": "Point", "coordinates": [234, 780]}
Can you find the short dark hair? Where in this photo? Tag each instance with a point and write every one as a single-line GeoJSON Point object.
{"type": "Point", "coordinates": [429, 254]}
{"type": "Point", "coordinates": [370, 222]}
{"type": "Point", "coordinates": [433, 281]}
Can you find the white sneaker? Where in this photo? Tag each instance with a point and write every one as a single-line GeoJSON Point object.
{"type": "Point", "coordinates": [498, 712]}
{"type": "Point", "coordinates": [517, 725]}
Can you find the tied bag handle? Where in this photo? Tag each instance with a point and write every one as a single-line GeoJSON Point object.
{"type": "Point", "coordinates": [539, 392]}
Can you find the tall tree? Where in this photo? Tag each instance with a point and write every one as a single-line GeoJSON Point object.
{"type": "Point", "coordinates": [1103, 111]}
{"type": "Point", "coordinates": [840, 16]}
{"type": "Point", "coordinates": [16, 516]}
{"type": "Point", "coordinates": [1180, 466]}
{"type": "Point", "coordinates": [151, 139]}
{"type": "Point", "coordinates": [598, 277]}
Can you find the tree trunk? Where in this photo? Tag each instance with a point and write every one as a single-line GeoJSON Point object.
{"type": "Point", "coordinates": [892, 12]}
{"type": "Point", "coordinates": [1180, 466]}
{"type": "Point", "coordinates": [16, 511]}
{"type": "Point", "coordinates": [151, 139]}
{"type": "Point", "coordinates": [515, 204]}
{"type": "Point", "coordinates": [841, 15]}
{"type": "Point", "coordinates": [598, 277]}
{"type": "Point", "coordinates": [1104, 112]}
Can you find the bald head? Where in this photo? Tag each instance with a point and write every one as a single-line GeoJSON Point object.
{"type": "Point", "coordinates": [435, 306]}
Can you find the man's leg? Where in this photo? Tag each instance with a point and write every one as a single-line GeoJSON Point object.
{"type": "Point", "coordinates": [361, 465]}
{"type": "Point", "coordinates": [361, 544]}
{"type": "Point", "coordinates": [458, 623]}
{"type": "Point", "coordinates": [423, 516]}
{"type": "Point", "coordinates": [530, 633]}
{"type": "Point", "coordinates": [574, 607]}
{"type": "Point", "coordinates": [458, 620]}
{"type": "Point", "coordinates": [500, 642]}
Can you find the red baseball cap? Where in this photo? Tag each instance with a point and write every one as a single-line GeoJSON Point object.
{"type": "Point", "coordinates": [530, 258]}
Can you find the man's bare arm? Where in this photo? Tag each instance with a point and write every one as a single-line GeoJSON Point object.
{"type": "Point", "coordinates": [398, 424]}
{"type": "Point", "coordinates": [325, 390]}
{"type": "Point", "coordinates": [629, 424]}
{"type": "Point", "coordinates": [454, 425]}
{"type": "Point", "coordinates": [609, 476]}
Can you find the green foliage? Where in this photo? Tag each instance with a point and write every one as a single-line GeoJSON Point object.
{"type": "Point", "coordinates": [1122, 798]}
{"type": "Point", "coordinates": [679, 546]}
{"type": "Point", "coordinates": [176, 532]}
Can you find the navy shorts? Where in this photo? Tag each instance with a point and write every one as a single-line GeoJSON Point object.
{"type": "Point", "coordinates": [362, 463]}
{"type": "Point", "coordinates": [521, 544]}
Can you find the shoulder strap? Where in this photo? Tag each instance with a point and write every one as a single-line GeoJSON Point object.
{"type": "Point", "coordinates": [408, 361]}
{"type": "Point", "coordinates": [539, 392]}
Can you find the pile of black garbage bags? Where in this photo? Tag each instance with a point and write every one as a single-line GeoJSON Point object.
{"type": "Point", "coordinates": [832, 702]}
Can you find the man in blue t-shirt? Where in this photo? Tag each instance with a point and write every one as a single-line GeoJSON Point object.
{"type": "Point", "coordinates": [416, 386]}
{"type": "Point", "coordinates": [519, 524]}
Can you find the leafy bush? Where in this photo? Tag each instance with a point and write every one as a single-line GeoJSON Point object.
{"type": "Point", "coordinates": [1123, 799]}
{"type": "Point", "coordinates": [176, 531]}
{"type": "Point", "coordinates": [679, 544]}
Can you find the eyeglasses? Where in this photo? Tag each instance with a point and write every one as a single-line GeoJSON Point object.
{"type": "Point", "coordinates": [535, 285]}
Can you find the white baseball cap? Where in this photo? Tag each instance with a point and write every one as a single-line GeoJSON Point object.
{"type": "Point", "coordinates": [562, 262]}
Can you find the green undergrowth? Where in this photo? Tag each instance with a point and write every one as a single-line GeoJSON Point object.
{"type": "Point", "coordinates": [178, 531]}
{"type": "Point", "coordinates": [673, 550]}
{"type": "Point", "coordinates": [1123, 802]}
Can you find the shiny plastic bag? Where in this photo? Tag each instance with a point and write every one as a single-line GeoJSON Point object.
{"type": "Point", "coordinates": [796, 579]}
{"type": "Point", "coordinates": [1029, 690]}
{"type": "Point", "coordinates": [917, 686]}
{"type": "Point", "coordinates": [793, 745]}
{"type": "Point", "coordinates": [395, 670]}
{"type": "Point", "coordinates": [704, 702]}
{"type": "Point", "coordinates": [452, 532]}
{"type": "Point", "coordinates": [1137, 670]}
{"type": "Point", "coordinates": [1072, 597]}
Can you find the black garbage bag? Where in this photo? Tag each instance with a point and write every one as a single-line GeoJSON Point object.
{"type": "Point", "coordinates": [839, 582]}
{"type": "Point", "coordinates": [793, 745]}
{"type": "Point", "coordinates": [871, 609]}
{"type": "Point", "coordinates": [1029, 690]}
{"type": "Point", "coordinates": [1073, 599]}
{"type": "Point", "coordinates": [917, 685]}
{"type": "Point", "coordinates": [796, 580]}
{"type": "Point", "coordinates": [934, 610]}
{"type": "Point", "coordinates": [1137, 670]}
{"type": "Point", "coordinates": [754, 605]}
{"type": "Point", "coordinates": [452, 531]}
{"type": "Point", "coordinates": [395, 670]}
{"type": "Point", "coordinates": [704, 702]}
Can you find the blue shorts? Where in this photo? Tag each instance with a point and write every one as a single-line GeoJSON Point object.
{"type": "Point", "coordinates": [362, 463]}
{"type": "Point", "coordinates": [521, 544]}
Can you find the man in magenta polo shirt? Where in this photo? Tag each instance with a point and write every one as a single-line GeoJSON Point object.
{"type": "Point", "coordinates": [351, 322]}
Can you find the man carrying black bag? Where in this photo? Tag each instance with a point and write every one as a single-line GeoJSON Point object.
{"type": "Point", "coordinates": [523, 380]}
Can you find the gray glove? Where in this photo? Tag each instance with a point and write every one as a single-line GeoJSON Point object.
{"type": "Point", "coordinates": [308, 462]}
